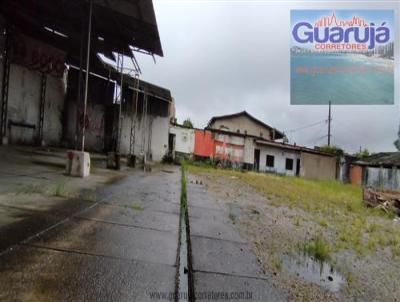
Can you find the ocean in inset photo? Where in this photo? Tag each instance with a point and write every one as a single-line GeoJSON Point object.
{"type": "Point", "coordinates": [348, 79]}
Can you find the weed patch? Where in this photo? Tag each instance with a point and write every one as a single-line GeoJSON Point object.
{"type": "Point", "coordinates": [317, 248]}
{"type": "Point", "coordinates": [137, 205]}
{"type": "Point", "coordinates": [89, 195]}
{"type": "Point", "coordinates": [183, 187]}
{"type": "Point", "coordinates": [60, 190]}
{"type": "Point", "coordinates": [31, 189]}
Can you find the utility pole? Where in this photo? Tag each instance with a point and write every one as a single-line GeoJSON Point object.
{"type": "Point", "coordinates": [329, 124]}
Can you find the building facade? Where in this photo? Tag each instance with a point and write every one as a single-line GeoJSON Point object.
{"type": "Point", "coordinates": [380, 171]}
{"type": "Point", "coordinates": [242, 141]}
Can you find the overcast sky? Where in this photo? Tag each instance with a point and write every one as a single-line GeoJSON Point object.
{"type": "Point", "coordinates": [222, 57]}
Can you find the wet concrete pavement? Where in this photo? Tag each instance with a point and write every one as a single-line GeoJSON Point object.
{"type": "Point", "coordinates": [122, 248]}
{"type": "Point", "coordinates": [222, 261]}
{"type": "Point", "coordinates": [35, 193]}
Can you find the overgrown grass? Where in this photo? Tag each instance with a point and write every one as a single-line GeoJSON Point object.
{"type": "Point", "coordinates": [31, 189]}
{"type": "Point", "coordinates": [88, 195]}
{"type": "Point", "coordinates": [60, 190]}
{"type": "Point", "coordinates": [318, 248]}
{"type": "Point", "coordinates": [183, 186]}
{"type": "Point", "coordinates": [335, 208]}
{"type": "Point", "coordinates": [137, 205]}
{"type": "Point", "coordinates": [276, 262]}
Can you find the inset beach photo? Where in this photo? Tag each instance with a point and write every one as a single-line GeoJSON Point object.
{"type": "Point", "coordinates": [342, 56]}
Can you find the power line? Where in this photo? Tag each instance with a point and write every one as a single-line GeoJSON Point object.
{"type": "Point", "coordinates": [307, 126]}
{"type": "Point", "coordinates": [319, 138]}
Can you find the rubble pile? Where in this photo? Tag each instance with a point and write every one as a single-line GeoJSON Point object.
{"type": "Point", "coordinates": [388, 201]}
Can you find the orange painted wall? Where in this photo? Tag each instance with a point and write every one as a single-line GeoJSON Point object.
{"type": "Point", "coordinates": [204, 143]}
{"type": "Point", "coordinates": [355, 175]}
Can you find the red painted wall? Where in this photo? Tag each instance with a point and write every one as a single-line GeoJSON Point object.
{"type": "Point", "coordinates": [204, 143]}
{"type": "Point", "coordinates": [355, 175]}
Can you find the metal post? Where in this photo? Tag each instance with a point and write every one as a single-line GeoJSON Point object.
{"type": "Point", "coordinates": [120, 104]}
{"type": "Point", "coordinates": [4, 92]}
{"type": "Point", "coordinates": [134, 116]}
{"type": "Point", "coordinates": [144, 119]}
{"type": "Point", "coordinates": [87, 72]}
{"type": "Point", "coordinates": [79, 97]}
{"type": "Point", "coordinates": [42, 106]}
{"type": "Point", "coordinates": [329, 124]}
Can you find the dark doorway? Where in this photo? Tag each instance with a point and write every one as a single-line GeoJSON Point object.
{"type": "Point", "coordinates": [256, 159]}
{"type": "Point", "coordinates": [298, 167]}
{"type": "Point", "coordinates": [171, 144]}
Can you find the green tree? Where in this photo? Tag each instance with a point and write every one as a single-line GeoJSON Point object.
{"type": "Point", "coordinates": [396, 143]}
{"type": "Point", "coordinates": [187, 123]}
{"type": "Point", "coordinates": [331, 149]}
{"type": "Point", "coordinates": [363, 153]}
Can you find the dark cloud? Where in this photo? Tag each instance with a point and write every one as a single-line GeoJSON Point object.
{"type": "Point", "coordinates": [223, 57]}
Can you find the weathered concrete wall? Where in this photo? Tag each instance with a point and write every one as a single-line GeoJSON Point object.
{"type": "Point", "coordinates": [24, 106]}
{"type": "Point", "coordinates": [94, 133]}
{"type": "Point", "coordinates": [184, 139]}
{"type": "Point", "coordinates": [70, 124]}
{"type": "Point", "coordinates": [229, 148]}
{"type": "Point", "coordinates": [315, 166]}
{"type": "Point", "coordinates": [280, 157]}
{"type": "Point", "coordinates": [23, 103]}
{"type": "Point", "coordinates": [159, 143]}
{"type": "Point", "coordinates": [2, 44]}
{"type": "Point", "coordinates": [55, 97]}
{"type": "Point", "coordinates": [243, 124]}
{"type": "Point", "coordinates": [95, 122]}
{"type": "Point", "coordinates": [248, 156]}
{"type": "Point", "coordinates": [151, 136]}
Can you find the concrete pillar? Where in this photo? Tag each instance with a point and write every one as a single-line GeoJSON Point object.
{"type": "Point", "coordinates": [78, 163]}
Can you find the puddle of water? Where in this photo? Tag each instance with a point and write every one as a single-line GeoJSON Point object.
{"type": "Point", "coordinates": [320, 273]}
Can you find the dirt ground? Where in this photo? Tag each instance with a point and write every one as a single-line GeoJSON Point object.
{"type": "Point", "coordinates": [276, 232]}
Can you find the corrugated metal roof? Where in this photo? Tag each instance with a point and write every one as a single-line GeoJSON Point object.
{"type": "Point", "coordinates": [388, 159]}
{"type": "Point", "coordinates": [117, 24]}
